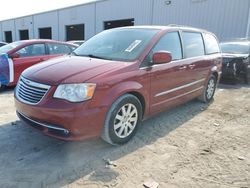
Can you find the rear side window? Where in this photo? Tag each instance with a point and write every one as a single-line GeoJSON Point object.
{"type": "Point", "coordinates": [211, 44]}
{"type": "Point", "coordinates": [193, 44]}
{"type": "Point", "coordinates": [32, 50]}
{"type": "Point", "coordinates": [170, 42]}
{"type": "Point", "coordinates": [58, 48]}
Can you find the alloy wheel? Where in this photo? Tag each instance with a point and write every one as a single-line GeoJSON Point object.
{"type": "Point", "coordinates": [125, 120]}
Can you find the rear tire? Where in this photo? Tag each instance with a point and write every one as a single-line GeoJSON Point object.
{"type": "Point", "coordinates": [122, 120]}
{"type": "Point", "coordinates": [208, 92]}
{"type": "Point", "coordinates": [247, 76]}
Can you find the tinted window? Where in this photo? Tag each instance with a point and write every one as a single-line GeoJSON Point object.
{"type": "Point", "coordinates": [211, 44]}
{"type": "Point", "coordinates": [58, 48]}
{"type": "Point", "coordinates": [170, 42]}
{"type": "Point", "coordinates": [193, 44]}
{"type": "Point", "coordinates": [32, 50]}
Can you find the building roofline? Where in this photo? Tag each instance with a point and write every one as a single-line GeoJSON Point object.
{"type": "Point", "coordinates": [49, 11]}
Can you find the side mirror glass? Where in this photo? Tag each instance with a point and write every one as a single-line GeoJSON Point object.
{"type": "Point", "coordinates": [162, 57]}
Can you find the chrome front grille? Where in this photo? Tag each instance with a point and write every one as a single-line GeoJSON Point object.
{"type": "Point", "coordinates": [30, 92]}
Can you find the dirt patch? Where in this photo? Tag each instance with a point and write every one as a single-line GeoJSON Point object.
{"type": "Point", "coordinates": [193, 145]}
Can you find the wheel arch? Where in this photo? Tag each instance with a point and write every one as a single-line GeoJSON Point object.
{"type": "Point", "coordinates": [130, 87]}
{"type": "Point", "coordinates": [216, 75]}
{"type": "Point", "coordinates": [140, 98]}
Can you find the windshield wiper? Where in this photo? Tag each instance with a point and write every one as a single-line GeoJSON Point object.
{"type": "Point", "coordinates": [97, 57]}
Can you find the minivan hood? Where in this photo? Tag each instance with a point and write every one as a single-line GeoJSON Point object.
{"type": "Point", "coordinates": [70, 69]}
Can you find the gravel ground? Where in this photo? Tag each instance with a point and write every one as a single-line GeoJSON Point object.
{"type": "Point", "coordinates": [193, 145]}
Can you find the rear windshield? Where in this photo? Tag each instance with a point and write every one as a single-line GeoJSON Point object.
{"type": "Point", "coordinates": [8, 47]}
{"type": "Point", "coordinates": [124, 44]}
{"type": "Point", "coordinates": [235, 48]}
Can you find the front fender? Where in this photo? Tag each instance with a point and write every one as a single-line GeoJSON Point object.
{"type": "Point", "coordinates": [126, 87]}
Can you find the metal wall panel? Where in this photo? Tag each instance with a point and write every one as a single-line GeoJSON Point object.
{"type": "Point", "coordinates": [226, 18]}
{"type": "Point", "coordinates": [140, 10]}
{"type": "Point", "coordinates": [48, 19]}
{"type": "Point", "coordinates": [9, 25]}
{"type": "Point", "coordinates": [23, 24]}
{"type": "Point", "coordinates": [77, 15]}
{"type": "Point", "coordinates": [1, 31]}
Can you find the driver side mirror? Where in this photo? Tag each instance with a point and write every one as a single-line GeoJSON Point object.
{"type": "Point", "coordinates": [14, 55]}
{"type": "Point", "coordinates": [162, 57]}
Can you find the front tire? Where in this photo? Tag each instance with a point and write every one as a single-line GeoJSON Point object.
{"type": "Point", "coordinates": [122, 120]}
{"type": "Point", "coordinates": [208, 92]}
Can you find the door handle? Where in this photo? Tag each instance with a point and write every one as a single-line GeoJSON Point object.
{"type": "Point", "coordinates": [42, 59]}
{"type": "Point", "coordinates": [182, 67]}
{"type": "Point", "coordinates": [192, 66]}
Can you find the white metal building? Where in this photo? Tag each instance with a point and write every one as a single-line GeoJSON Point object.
{"type": "Point", "coordinates": [226, 18]}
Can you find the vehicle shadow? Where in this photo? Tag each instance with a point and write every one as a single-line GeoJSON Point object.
{"type": "Point", "coordinates": [30, 159]}
{"type": "Point", "coordinates": [7, 90]}
{"type": "Point", "coordinates": [224, 85]}
{"type": "Point", "coordinates": [233, 83]}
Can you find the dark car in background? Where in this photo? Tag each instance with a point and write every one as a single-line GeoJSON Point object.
{"type": "Point", "coordinates": [18, 56]}
{"type": "Point", "coordinates": [236, 61]}
{"type": "Point", "coordinates": [3, 44]}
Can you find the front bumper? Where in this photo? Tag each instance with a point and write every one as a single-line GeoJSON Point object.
{"type": "Point", "coordinates": [67, 122]}
{"type": "Point", "coordinates": [52, 129]}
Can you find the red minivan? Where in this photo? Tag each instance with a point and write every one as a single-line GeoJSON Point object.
{"type": "Point", "coordinates": [118, 78]}
{"type": "Point", "coordinates": [18, 56]}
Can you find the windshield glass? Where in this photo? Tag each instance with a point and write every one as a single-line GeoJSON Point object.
{"type": "Point", "coordinates": [117, 44]}
{"type": "Point", "coordinates": [235, 48]}
{"type": "Point", "coordinates": [8, 47]}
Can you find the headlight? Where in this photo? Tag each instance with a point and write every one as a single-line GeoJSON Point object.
{"type": "Point", "coordinates": [75, 92]}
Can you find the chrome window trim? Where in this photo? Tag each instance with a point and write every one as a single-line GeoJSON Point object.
{"type": "Point", "coordinates": [178, 88]}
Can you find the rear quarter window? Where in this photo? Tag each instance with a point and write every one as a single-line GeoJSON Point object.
{"type": "Point", "coordinates": [211, 44]}
{"type": "Point", "coordinates": [32, 50]}
{"type": "Point", "coordinates": [55, 48]}
{"type": "Point", "coordinates": [193, 44]}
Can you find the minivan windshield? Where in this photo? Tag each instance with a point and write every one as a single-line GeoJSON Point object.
{"type": "Point", "coordinates": [8, 47]}
{"type": "Point", "coordinates": [124, 44]}
{"type": "Point", "coordinates": [235, 48]}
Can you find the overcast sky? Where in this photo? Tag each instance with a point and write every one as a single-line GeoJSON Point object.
{"type": "Point", "coordinates": [16, 8]}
